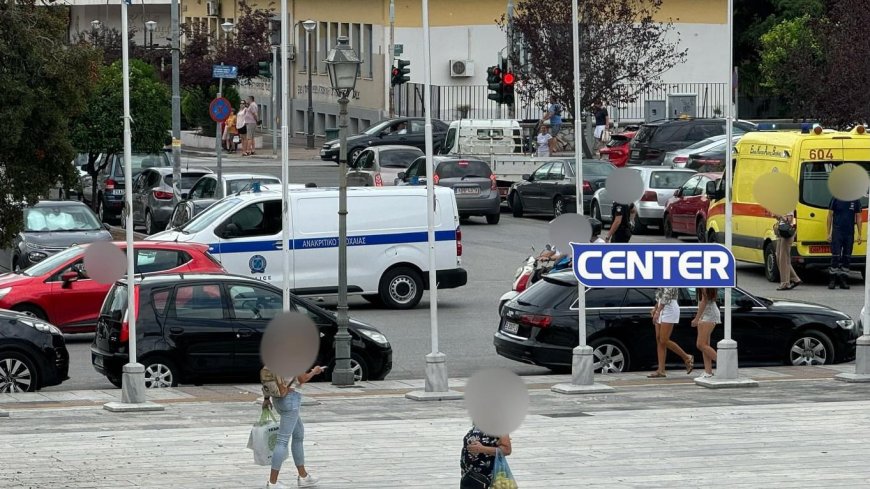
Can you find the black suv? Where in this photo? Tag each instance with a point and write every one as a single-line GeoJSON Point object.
{"type": "Point", "coordinates": [33, 353]}
{"type": "Point", "coordinates": [656, 138]}
{"type": "Point", "coordinates": [208, 327]}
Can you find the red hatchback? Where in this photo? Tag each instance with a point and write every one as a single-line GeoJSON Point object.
{"type": "Point", "coordinates": [686, 211]}
{"type": "Point", "coordinates": [59, 290]}
{"type": "Point", "coordinates": [617, 150]}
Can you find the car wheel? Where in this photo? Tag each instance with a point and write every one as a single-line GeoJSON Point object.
{"type": "Point", "coordinates": [667, 227]}
{"type": "Point", "coordinates": [359, 366]}
{"type": "Point", "coordinates": [373, 299]}
{"type": "Point", "coordinates": [700, 229]}
{"type": "Point", "coordinates": [771, 268]}
{"type": "Point", "coordinates": [493, 218]}
{"type": "Point", "coordinates": [810, 348]}
{"type": "Point", "coordinates": [516, 205]}
{"type": "Point", "coordinates": [353, 155]}
{"type": "Point", "coordinates": [609, 356]}
{"type": "Point", "coordinates": [17, 372]}
{"type": "Point", "coordinates": [114, 380]}
{"type": "Point", "coordinates": [558, 207]}
{"type": "Point", "coordinates": [31, 310]}
{"type": "Point", "coordinates": [149, 223]}
{"type": "Point", "coordinates": [596, 211]}
{"type": "Point", "coordinates": [401, 288]}
{"type": "Point", "coordinates": [160, 373]}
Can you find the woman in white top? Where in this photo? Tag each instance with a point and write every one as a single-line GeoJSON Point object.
{"type": "Point", "coordinates": [544, 138]}
{"type": "Point", "coordinates": [706, 319]}
{"type": "Point", "coordinates": [666, 314]}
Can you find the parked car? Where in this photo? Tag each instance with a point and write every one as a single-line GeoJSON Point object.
{"type": "Point", "coordinates": [204, 193]}
{"type": "Point", "coordinates": [110, 182]}
{"type": "Point", "coordinates": [710, 160]}
{"type": "Point", "coordinates": [679, 158]}
{"type": "Point", "coordinates": [154, 198]}
{"type": "Point", "coordinates": [551, 188]}
{"type": "Point", "coordinates": [403, 130]}
{"type": "Point", "coordinates": [658, 186]}
{"type": "Point", "coordinates": [49, 227]}
{"type": "Point", "coordinates": [473, 183]}
{"type": "Point", "coordinates": [60, 291]}
{"type": "Point", "coordinates": [33, 354]}
{"type": "Point", "coordinates": [686, 211]}
{"type": "Point", "coordinates": [618, 149]}
{"type": "Point", "coordinates": [540, 327]}
{"type": "Point", "coordinates": [200, 327]}
{"type": "Point", "coordinates": [379, 166]}
{"type": "Point", "coordinates": [658, 137]}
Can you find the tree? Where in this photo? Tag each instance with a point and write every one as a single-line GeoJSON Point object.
{"type": "Point", "coordinates": [623, 49]}
{"type": "Point", "coordinates": [44, 83]}
{"type": "Point", "coordinates": [100, 128]}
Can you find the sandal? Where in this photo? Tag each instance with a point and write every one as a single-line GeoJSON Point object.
{"type": "Point", "coordinates": [784, 287]}
{"type": "Point", "coordinates": [656, 375]}
{"type": "Point", "coordinates": [690, 364]}
{"type": "Point", "coordinates": [795, 284]}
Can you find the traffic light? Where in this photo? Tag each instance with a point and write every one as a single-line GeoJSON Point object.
{"type": "Point", "coordinates": [265, 69]}
{"type": "Point", "coordinates": [275, 30]}
{"type": "Point", "coordinates": [401, 73]}
{"type": "Point", "coordinates": [507, 85]}
{"type": "Point", "coordinates": [493, 83]}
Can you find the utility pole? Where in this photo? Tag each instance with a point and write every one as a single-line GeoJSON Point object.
{"type": "Point", "coordinates": [512, 111]}
{"type": "Point", "coordinates": [392, 54]}
{"type": "Point", "coordinates": [176, 103]}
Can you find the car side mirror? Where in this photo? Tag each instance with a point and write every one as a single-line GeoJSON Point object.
{"type": "Point", "coordinates": [184, 195]}
{"type": "Point", "coordinates": [401, 176]}
{"type": "Point", "coordinates": [678, 192]}
{"type": "Point", "coordinates": [711, 189]}
{"type": "Point", "coordinates": [68, 278]}
{"type": "Point", "coordinates": [528, 177]}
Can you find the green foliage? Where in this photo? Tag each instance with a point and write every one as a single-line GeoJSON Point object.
{"type": "Point", "coordinates": [195, 103]}
{"type": "Point", "coordinates": [43, 84]}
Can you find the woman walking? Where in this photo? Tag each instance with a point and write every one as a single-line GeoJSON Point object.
{"type": "Point", "coordinates": [706, 319]}
{"type": "Point", "coordinates": [666, 314]}
{"type": "Point", "coordinates": [785, 228]}
{"type": "Point", "coordinates": [290, 425]}
{"type": "Point", "coordinates": [478, 457]}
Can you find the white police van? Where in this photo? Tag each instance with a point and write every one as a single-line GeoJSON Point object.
{"type": "Point", "coordinates": [387, 240]}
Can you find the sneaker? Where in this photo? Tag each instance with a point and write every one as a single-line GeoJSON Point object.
{"type": "Point", "coordinates": [705, 375]}
{"type": "Point", "coordinates": [277, 485]}
{"type": "Point", "coordinates": [308, 481]}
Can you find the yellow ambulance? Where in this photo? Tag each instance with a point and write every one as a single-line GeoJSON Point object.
{"type": "Point", "coordinates": [807, 155]}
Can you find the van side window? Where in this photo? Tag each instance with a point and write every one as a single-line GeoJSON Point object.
{"type": "Point", "coordinates": [260, 219]}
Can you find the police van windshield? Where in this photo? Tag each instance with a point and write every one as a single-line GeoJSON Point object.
{"type": "Point", "coordinates": [205, 219]}
{"type": "Point", "coordinates": [814, 190]}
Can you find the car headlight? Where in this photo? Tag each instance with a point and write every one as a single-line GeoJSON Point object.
{"type": "Point", "coordinates": [5, 291]}
{"type": "Point", "coordinates": [36, 256]}
{"type": "Point", "coordinates": [374, 336]}
{"type": "Point", "coordinates": [40, 326]}
{"type": "Point", "coordinates": [335, 145]}
{"type": "Point", "coordinates": [846, 323]}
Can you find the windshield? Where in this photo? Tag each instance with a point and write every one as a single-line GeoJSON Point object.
{"type": "Point", "coordinates": [814, 190]}
{"type": "Point", "coordinates": [235, 186]}
{"type": "Point", "coordinates": [464, 168]}
{"type": "Point", "coordinates": [205, 219]}
{"type": "Point", "coordinates": [400, 158]}
{"type": "Point", "coordinates": [377, 128]}
{"type": "Point", "coordinates": [595, 169]}
{"type": "Point", "coordinates": [52, 262]}
{"type": "Point", "coordinates": [706, 142]}
{"type": "Point", "coordinates": [668, 179]}
{"type": "Point", "coordinates": [187, 179]}
{"type": "Point", "coordinates": [49, 218]}
{"type": "Point", "coordinates": [141, 161]}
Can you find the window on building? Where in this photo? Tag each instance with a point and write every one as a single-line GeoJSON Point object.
{"type": "Point", "coordinates": [368, 42]}
{"type": "Point", "coordinates": [322, 46]}
{"type": "Point", "coordinates": [356, 42]}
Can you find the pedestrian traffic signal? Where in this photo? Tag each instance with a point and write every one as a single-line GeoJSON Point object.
{"type": "Point", "coordinates": [493, 83]}
{"type": "Point", "coordinates": [265, 69]}
{"type": "Point", "coordinates": [401, 73]}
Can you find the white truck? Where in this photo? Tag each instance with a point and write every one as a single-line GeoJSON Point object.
{"type": "Point", "coordinates": [499, 142]}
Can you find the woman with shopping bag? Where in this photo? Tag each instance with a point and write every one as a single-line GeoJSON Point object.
{"type": "Point", "coordinates": [483, 461]}
{"type": "Point", "coordinates": [287, 400]}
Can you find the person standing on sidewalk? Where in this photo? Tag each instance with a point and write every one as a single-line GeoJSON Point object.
{"type": "Point", "coordinates": [252, 118]}
{"type": "Point", "coordinates": [843, 218]}
{"type": "Point", "coordinates": [785, 229]}
{"type": "Point", "coordinates": [666, 314]}
{"type": "Point", "coordinates": [602, 123]}
{"type": "Point", "coordinates": [290, 425]}
{"type": "Point", "coordinates": [620, 228]}
{"type": "Point", "coordinates": [706, 319]}
{"type": "Point", "coordinates": [478, 457]}
{"type": "Point", "coordinates": [241, 128]}
{"type": "Point", "coordinates": [554, 115]}
{"type": "Point", "coordinates": [230, 132]}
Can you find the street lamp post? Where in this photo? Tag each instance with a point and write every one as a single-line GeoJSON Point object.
{"type": "Point", "coordinates": [175, 40]}
{"type": "Point", "coordinates": [227, 27]}
{"type": "Point", "coordinates": [343, 64]}
{"type": "Point", "coordinates": [309, 26]}
{"type": "Point", "coordinates": [150, 26]}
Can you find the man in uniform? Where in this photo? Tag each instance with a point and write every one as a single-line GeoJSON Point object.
{"type": "Point", "coordinates": [843, 218]}
{"type": "Point", "coordinates": [620, 228]}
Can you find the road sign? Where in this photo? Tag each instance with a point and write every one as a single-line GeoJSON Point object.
{"type": "Point", "coordinates": [398, 49]}
{"type": "Point", "coordinates": [224, 71]}
{"type": "Point", "coordinates": [219, 109]}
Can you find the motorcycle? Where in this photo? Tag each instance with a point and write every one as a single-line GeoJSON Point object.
{"type": "Point", "coordinates": [533, 268]}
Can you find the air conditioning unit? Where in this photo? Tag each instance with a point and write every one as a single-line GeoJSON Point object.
{"type": "Point", "coordinates": [213, 8]}
{"type": "Point", "coordinates": [461, 68]}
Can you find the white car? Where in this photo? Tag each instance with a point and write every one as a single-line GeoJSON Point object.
{"type": "Point", "coordinates": [659, 185]}
{"type": "Point", "coordinates": [379, 166]}
{"type": "Point", "coordinates": [679, 158]}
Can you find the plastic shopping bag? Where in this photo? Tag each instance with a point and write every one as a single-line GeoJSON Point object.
{"type": "Point", "coordinates": [264, 435]}
{"type": "Point", "coordinates": [502, 478]}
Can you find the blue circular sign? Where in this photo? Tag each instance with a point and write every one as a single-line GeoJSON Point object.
{"type": "Point", "coordinates": [219, 109]}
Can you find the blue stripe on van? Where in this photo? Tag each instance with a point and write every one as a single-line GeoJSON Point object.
{"type": "Point", "coordinates": [331, 242]}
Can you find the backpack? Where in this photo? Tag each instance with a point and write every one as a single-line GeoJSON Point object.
{"type": "Point", "coordinates": [274, 385]}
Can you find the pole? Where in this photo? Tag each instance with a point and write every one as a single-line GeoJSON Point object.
{"type": "Point", "coordinates": [285, 158]}
{"type": "Point", "coordinates": [392, 53]}
{"type": "Point", "coordinates": [176, 103]}
{"type": "Point", "coordinates": [510, 51]}
{"type": "Point", "coordinates": [342, 375]}
{"type": "Point", "coordinates": [218, 146]}
{"type": "Point", "coordinates": [274, 101]}
{"type": "Point", "coordinates": [310, 141]}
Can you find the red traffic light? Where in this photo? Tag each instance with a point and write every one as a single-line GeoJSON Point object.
{"type": "Point", "coordinates": [496, 72]}
{"type": "Point", "coordinates": [395, 72]}
{"type": "Point", "coordinates": [508, 79]}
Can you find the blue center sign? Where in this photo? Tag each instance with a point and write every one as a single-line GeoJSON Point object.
{"type": "Point", "coordinates": [219, 109]}
{"type": "Point", "coordinates": [654, 265]}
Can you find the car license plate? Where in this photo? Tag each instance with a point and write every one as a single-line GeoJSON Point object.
{"type": "Point", "coordinates": [117, 191]}
{"type": "Point", "coordinates": [511, 328]}
{"type": "Point", "coordinates": [467, 190]}
{"type": "Point", "coordinates": [98, 361]}
{"type": "Point", "coordinates": [820, 249]}
{"type": "Point", "coordinates": [635, 153]}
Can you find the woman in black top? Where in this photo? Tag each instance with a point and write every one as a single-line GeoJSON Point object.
{"type": "Point", "coordinates": [478, 457]}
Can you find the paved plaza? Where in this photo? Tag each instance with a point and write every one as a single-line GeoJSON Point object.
{"type": "Point", "coordinates": [799, 428]}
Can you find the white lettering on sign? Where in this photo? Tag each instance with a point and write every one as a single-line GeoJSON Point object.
{"type": "Point", "coordinates": [622, 265]}
{"type": "Point", "coordinates": [581, 265]}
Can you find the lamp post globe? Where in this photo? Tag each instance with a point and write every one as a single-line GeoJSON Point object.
{"type": "Point", "coordinates": [95, 24]}
{"type": "Point", "coordinates": [151, 25]}
{"type": "Point", "coordinates": [227, 26]}
{"type": "Point", "coordinates": [309, 25]}
{"type": "Point", "coordinates": [343, 65]}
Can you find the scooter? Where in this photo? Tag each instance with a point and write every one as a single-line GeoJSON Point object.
{"type": "Point", "coordinates": [532, 270]}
